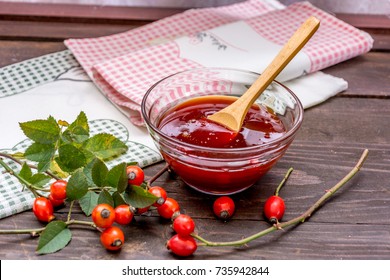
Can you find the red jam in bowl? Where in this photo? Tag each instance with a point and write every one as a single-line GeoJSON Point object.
{"type": "Point", "coordinates": [225, 170]}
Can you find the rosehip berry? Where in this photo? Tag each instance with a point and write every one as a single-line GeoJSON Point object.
{"type": "Point", "coordinates": [224, 207]}
{"type": "Point", "coordinates": [58, 189]}
{"type": "Point", "coordinates": [123, 214]}
{"type": "Point", "coordinates": [43, 209]}
{"type": "Point", "coordinates": [103, 215]}
{"type": "Point", "coordinates": [274, 209]}
{"type": "Point", "coordinates": [112, 238]}
{"type": "Point", "coordinates": [140, 211]}
{"type": "Point", "coordinates": [160, 193]}
{"type": "Point", "coordinates": [274, 206]}
{"type": "Point", "coordinates": [183, 246]}
{"type": "Point", "coordinates": [56, 202]}
{"type": "Point", "coordinates": [169, 208]}
{"type": "Point", "coordinates": [184, 225]}
{"type": "Point", "coordinates": [135, 175]}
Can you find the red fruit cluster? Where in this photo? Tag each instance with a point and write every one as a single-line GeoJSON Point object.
{"type": "Point", "coordinates": [104, 216]}
{"type": "Point", "coordinates": [43, 208]}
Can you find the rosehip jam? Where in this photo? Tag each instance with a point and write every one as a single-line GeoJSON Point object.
{"type": "Point", "coordinates": [187, 122]}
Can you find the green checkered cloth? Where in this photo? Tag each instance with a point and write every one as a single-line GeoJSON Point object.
{"type": "Point", "coordinates": [14, 198]}
{"type": "Point", "coordinates": [19, 77]}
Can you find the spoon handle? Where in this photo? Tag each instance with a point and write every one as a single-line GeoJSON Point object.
{"type": "Point", "coordinates": [233, 116]}
{"type": "Point", "coordinates": [285, 55]}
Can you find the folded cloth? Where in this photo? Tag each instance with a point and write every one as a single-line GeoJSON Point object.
{"type": "Point", "coordinates": [249, 44]}
{"type": "Point", "coordinates": [91, 51]}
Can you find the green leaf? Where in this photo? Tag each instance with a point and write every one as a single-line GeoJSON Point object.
{"type": "Point", "coordinates": [39, 179]}
{"type": "Point", "coordinates": [25, 172]}
{"type": "Point", "coordinates": [105, 146]}
{"type": "Point", "coordinates": [117, 177]}
{"type": "Point", "coordinates": [81, 121]}
{"type": "Point", "coordinates": [41, 153]}
{"type": "Point", "coordinates": [99, 172]}
{"type": "Point", "coordinates": [77, 186]}
{"type": "Point", "coordinates": [88, 202]}
{"type": "Point", "coordinates": [78, 131]}
{"type": "Point", "coordinates": [41, 131]}
{"type": "Point", "coordinates": [105, 197]}
{"type": "Point", "coordinates": [118, 199]}
{"type": "Point", "coordinates": [70, 158]}
{"type": "Point", "coordinates": [139, 197]}
{"type": "Point", "coordinates": [55, 237]}
{"type": "Point", "coordinates": [77, 134]}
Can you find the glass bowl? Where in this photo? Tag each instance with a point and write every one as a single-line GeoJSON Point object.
{"type": "Point", "coordinates": [219, 171]}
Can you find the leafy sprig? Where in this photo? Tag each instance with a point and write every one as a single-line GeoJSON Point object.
{"type": "Point", "coordinates": [63, 150]}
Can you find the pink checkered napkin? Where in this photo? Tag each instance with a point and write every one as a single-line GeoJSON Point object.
{"type": "Point", "coordinates": [125, 79]}
{"type": "Point", "coordinates": [91, 51]}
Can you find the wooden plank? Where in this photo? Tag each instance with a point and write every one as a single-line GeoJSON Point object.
{"type": "Point", "coordinates": [367, 75]}
{"type": "Point", "coordinates": [57, 31]}
{"type": "Point", "coordinates": [366, 20]}
{"type": "Point", "coordinates": [15, 51]}
{"type": "Point", "coordinates": [83, 13]}
{"type": "Point", "coordinates": [147, 236]}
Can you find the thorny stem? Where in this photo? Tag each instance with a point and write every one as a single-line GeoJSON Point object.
{"type": "Point", "coordinates": [297, 220]}
{"type": "Point", "coordinates": [158, 174]}
{"type": "Point", "coordinates": [28, 185]}
{"type": "Point", "coordinates": [30, 165]}
{"type": "Point", "coordinates": [37, 231]}
{"type": "Point", "coordinates": [283, 181]}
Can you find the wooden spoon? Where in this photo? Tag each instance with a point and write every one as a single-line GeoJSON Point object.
{"type": "Point", "coordinates": [233, 116]}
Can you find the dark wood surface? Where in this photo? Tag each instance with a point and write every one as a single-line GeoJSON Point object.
{"type": "Point", "coordinates": [354, 224]}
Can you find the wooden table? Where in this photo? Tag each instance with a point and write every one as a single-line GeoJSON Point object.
{"type": "Point", "coordinates": [354, 224]}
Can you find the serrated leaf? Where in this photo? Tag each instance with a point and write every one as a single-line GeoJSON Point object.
{"type": "Point", "coordinates": [77, 131]}
{"type": "Point", "coordinates": [99, 173]}
{"type": "Point", "coordinates": [56, 169]}
{"type": "Point", "coordinates": [88, 202]}
{"type": "Point", "coordinates": [39, 179]}
{"type": "Point", "coordinates": [117, 177]}
{"type": "Point", "coordinates": [44, 166]}
{"type": "Point", "coordinates": [41, 153]}
{"type": "Point", "coordinates": [81, 121]}
{"type": "Point", "coordinates": [118, 199]}
{"type": "Point", "coordinates": [25, 172]}
{"type": "Point", "coordinates": [139, 197]}
{"type": "Point", "coordinates": [87, 170]}
{"type": "Point", "coordinates": [105, 146]}
{"type": "Point", "coordinates": [41, 131]}
{"type": "Point", "coordinates": [77, 186]}
{"type": "Point", "coordinates": [105, 197]}
{"type": "Point", "coordinates": [55, 237]}
{"type": "Point", "coordinates": [70, 158]}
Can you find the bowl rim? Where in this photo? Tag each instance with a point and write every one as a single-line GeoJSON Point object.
{"type": "Point", "coordinates": [262, 146]}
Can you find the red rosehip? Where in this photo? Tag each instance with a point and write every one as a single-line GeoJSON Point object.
{"type": "Point", "coordinates": [43, 209]}
{"type": "Point", "coordinates": [224, 207]}
{"type": "Point", "coordinates": [183, 224]}
{"type": "Point", "coordinates": [274, 208]}
{"type": "Point", "coordinates": [169, 208]}
{"type": "Point", "coordinates": [183, 246]}
{"type": "Point", "coordinates": [58, 189]}
{"type": "Point", "coordinates": [112, 238]}
{"type": "Point", "coordinates": [56, 202]}
{"type": "Point", "coordinates": [160, 193]}
{"type": "Point", "coordinates": [103, 215]}
{"type": "Point", "coordinates": [135, 175]}
{"type": "Point", "coordinates": [123, 214]}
